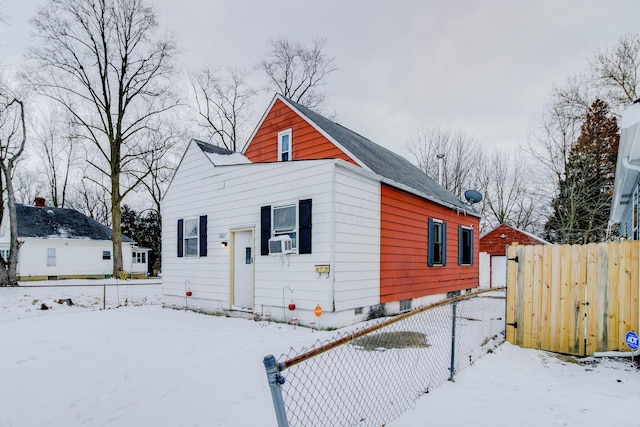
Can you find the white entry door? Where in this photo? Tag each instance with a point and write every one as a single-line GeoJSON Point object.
{"type": "Point", "coordinates": [243, 270]}
{"type": "Point", "coordinates": [498, 271]}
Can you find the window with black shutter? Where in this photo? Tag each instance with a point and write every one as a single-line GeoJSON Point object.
{"type": "Point", "coordinates": [437, 241]}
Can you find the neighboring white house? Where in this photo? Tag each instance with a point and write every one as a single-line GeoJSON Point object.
{"type": "Point", "coordinates": [65, 244]}
{"type": "Point", "coordinates": [626, 189]}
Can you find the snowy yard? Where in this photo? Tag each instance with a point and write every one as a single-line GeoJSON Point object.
{"type": "Point", "coordinates": [145, 365]}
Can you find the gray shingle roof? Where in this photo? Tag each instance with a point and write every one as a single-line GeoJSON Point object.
{"type": "Point", "coordinates": [59, 223]}
{"type": "Point", "coordinates": [383, 162]}
{"type": "Point", "coordinates": [213, 149]}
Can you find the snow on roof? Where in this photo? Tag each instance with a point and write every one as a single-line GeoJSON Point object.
{"type": "Point", "coordinates": [220, 156]}
{"type": "Point", "coordinates": [60, 223]}
{"type": "Point", "coordinates": [227, 159]}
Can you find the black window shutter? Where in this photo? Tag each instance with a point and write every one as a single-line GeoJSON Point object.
{"type": "Point", "coordinates": [203, 235]}
{"type": "Point", "coordinates": [430, 243]}
{"type": "Point", "coordinates": [444, 243]}
{"type": "Point", "coordinates": [304, 226]}
{"type": "Point", "coordinates": [460, 244]}
{"type": "Point", "coordinates": [180, 238]}
{"type": "Point", "coordinates": [265, 229]}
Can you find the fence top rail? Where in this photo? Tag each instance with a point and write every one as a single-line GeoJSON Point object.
{"type": "Point", "coordinates": [355, 335]}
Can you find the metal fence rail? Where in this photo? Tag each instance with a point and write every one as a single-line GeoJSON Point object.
{"type": "Point", "coordinates": [25, 301]}
{"type": "Point", "coordinates": [370, 376]}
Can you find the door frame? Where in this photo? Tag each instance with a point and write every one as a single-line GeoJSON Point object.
{"type": "Point", "coordinates": [232, 256]}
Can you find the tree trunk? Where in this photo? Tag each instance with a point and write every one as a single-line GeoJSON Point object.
{"type": "Point", "coordinates": [10, 275]}
{"type": "Point", "coordinates": [116, 225]}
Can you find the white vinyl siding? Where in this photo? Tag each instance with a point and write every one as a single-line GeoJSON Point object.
{"type": "Point", "coordinates": [346, 221]}
{"type": "Point", "coordinates": [73, 257]}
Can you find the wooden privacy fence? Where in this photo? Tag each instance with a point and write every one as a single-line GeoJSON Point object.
{"type": "Point", "coordinates": [572, 299]}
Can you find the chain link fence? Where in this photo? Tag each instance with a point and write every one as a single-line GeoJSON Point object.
{"type": "Point", "coordinates": [25, 301]}
{"type": "Point", "coordinates": [369, 376]}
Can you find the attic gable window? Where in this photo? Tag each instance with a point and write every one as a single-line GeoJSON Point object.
{"type": "Point", "coordinates": [284, 146]}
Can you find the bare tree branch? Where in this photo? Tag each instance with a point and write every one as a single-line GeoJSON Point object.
{"type": "Point", "coordinates": [298, 72]}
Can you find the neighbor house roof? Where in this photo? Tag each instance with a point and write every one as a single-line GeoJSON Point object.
{"type": "Point", "coordinates": [495, 241]}
{"type": "Point", "coordinates": [59, 223]}
{"type": "Point", "coordinates": [380, 160]}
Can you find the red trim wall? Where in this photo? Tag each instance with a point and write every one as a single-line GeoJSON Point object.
{"type": "Point", "coordinates": [404, 217]}
{"type": "Point", "coordinates": [404, 244]}
{"type": "Point", "coordinates": [307, 142]}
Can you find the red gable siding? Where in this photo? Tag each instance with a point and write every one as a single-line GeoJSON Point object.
{"type": "Point", "coordinates": [403, 248]}
{"type": "Point", "coordinates": [307, 142]}
{"type": "Point", "coordinates": [494, 244]}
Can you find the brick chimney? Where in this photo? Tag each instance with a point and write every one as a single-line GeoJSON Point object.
{"type": "Point", "coordinates": [39, 202]}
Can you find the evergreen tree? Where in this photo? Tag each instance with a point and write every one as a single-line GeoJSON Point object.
{"type": "Point", "coordinates": [581, 207]}
{"type": "Point", "coordinates": [145, 229]}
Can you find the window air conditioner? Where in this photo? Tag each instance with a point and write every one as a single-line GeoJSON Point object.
{"type": "Point", "coordinates": [280, 245]}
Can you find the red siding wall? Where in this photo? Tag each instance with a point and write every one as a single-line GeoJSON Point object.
{"type": "Point", "coordinates": [307, 142]}
{"type": "Point", "coordinates": [403, 248]}
{"type": "Point", "coordinates": [494, 244]}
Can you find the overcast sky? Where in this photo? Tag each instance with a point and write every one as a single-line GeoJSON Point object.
{"type": "Point", "coordinates": [484, 67]}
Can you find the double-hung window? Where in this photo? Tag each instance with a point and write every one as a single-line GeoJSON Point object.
{"type": "Point", "coordinates": [51, 256]}
{"type": "Point", "coordinates": [191, 237]}
{"type": "Point", "coordinates": [139, 257]}
{"type": "Point", "coordinates": [285, 222]}
{"type": "Point", "coordinates": [291, 219]}
{"type": "Point", "coordinates": [284, 146]}
{"type": "Point", "coordinates": [465, 245]}
{"type": "Point", "coordinates": [437, 240]}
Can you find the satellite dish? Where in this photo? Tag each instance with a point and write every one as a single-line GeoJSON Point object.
{"type": "Point", "coordinates": [472, 196]}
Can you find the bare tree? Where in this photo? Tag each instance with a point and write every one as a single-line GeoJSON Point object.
{"type": "Point", "coordinates": [298, 72]}
{"type": "Point", "coordinates": [92, 200]}
{"type": "Point", "coordinates": [223, 100]}
{"type": "Point", "coordinates": [613, 76]}
{"type": "Point", "coordinates": [461, 153]}
{"type": "Point", "coordinates": [102, 61]}
{"type": "Point", "coordinates": [55, 146]}
{"type": "Point", "coordinates": [617, 71]}
{"type": "Point", "coordinates": [27, 184]}
{"type": "Point", "coordinates": [13, 136]}
{"type": "Point", "coordinates": [504, 181]}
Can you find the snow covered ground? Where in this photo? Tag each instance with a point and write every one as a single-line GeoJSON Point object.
{"type": "Point", "coordinates": [143, 365]}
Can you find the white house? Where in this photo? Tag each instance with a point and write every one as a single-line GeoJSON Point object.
{"type": "Point", "coordinates": [311, 218]}
{"type": "Point", "coordinates": [65, 244]}
{"type": "Point", "coordinates": [626, 190]}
